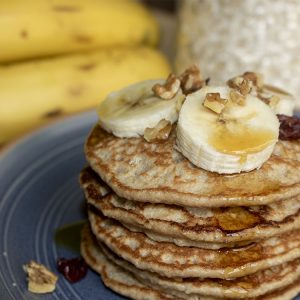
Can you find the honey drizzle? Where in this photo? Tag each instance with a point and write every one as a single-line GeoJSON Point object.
{"type": "Point", "coordinates": [241, 140]}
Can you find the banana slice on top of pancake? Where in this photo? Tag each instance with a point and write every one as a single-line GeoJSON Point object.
{"type": "Point", "coordinates": [129, 111]}
{"type": "Point", "coordinates": [225, 131]}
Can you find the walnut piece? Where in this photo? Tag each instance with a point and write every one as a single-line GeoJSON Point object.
{"type": "Point", "coordinates": [40, 279]}
{"type": "Point", "coordinates": [255, 78]}
{"type": "Point", "coordinates": [190, 80]}
{"type": "Point", "coordinates": [240, 84]}
{"type": "Point", "coordinates": [271, 100]}
{"type": "Point", "coordinates": [161, 131]}
{"type": "Point", "coordinates": [168, 90]}
{"type": "Point", "coordinates": [237, 98]}
{"type": "Point", "coordinates": [214, 102]}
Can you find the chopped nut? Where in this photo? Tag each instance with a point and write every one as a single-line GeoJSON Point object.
{"type": "Point", "coordinates": [169, 89]}
{"type": "Point", "coordinates": [271, 100]}
{"type": "Point", "coordinates": [160, 132]}
{"type": "Point", "coordinates": [191, 80]}
{"type": "Point", "coordinates": [255, 78]}
{"type": "Point", "coordinates": [237, 98]}
{"type": "Point", "coordinates": [214, 102]}
{"type": "Point", "coordinates": [40, 279]}
{"type": "Point", "coordinates": [240, 84]}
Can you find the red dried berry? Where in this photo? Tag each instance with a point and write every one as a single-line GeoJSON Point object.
{"type": "Point", "coordinates": [73, 269]}
{"type": "Point", "coordinates": [289, 127]}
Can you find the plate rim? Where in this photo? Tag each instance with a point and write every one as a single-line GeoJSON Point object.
{"type": "Point", "coordinates": [18, 141]}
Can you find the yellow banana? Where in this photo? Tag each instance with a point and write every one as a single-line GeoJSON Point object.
{"type": "Point", "coordinates": [35, 28]}
{"type": "Point", "coordinates": [31, 92]}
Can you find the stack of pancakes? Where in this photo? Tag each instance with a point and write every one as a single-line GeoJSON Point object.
{"type": "Point", "coordinates": [161, 228]}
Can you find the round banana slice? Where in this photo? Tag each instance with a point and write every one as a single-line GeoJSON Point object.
{"type": "Point", "coordinates": [129, 111]}
{"type": "Point", "coordinates": [280, 101]}
{"type": "Point", "coordinates": [223, 136]}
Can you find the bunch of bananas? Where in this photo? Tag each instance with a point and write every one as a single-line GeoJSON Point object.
{"type": "Point", "coordinates": [65, 56]}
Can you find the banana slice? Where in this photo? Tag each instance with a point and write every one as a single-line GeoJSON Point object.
{"type": "Point", "coordinates": [279, 100]}
{"type": "Point", "coordinates": [240, 138]}
{"type": "Point", "coordinates": [128, 112]}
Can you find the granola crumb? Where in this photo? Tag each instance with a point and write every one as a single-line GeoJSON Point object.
{"type": "Point", "coordinates": [40, 279]}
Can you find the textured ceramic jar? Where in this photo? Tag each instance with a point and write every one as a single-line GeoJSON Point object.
{"type": "Point", "coordinates": [227, 37]}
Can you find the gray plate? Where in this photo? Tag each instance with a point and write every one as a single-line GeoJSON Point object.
{"type": "Point", "coordinates": [39, 192]}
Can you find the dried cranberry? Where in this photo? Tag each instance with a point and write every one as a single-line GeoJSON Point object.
{"type": "Point", "coordinates": [73, 269]}
{"type": "Point", "coordinates": [289, 127]}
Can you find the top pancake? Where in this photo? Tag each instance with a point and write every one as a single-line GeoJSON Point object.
{"type": "Point", "coordinates": [157, 173]}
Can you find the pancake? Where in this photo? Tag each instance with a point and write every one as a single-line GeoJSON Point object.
{"type": "Point", "coordinates": [125, 279]}
{"type": "Point", "coordinates": [222, 227]}
{"type": "Point", "coordinates": [157, 173]}
{"type": "Point", "coordinates": [114, 277]}
{"type": "Point", "coordinates": [250, 286]}
{"type": "Point", "coordinates": [170, 260]}
{"type": "Point", "coordinates": [185, 242]}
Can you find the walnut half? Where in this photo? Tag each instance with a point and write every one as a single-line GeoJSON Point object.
{"type": "Point", "coordinates": [40, 279]}
{"type": "Point", "coordinates": [168, 90]}
{"type": "Point", "coordinates": [191, 80]}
